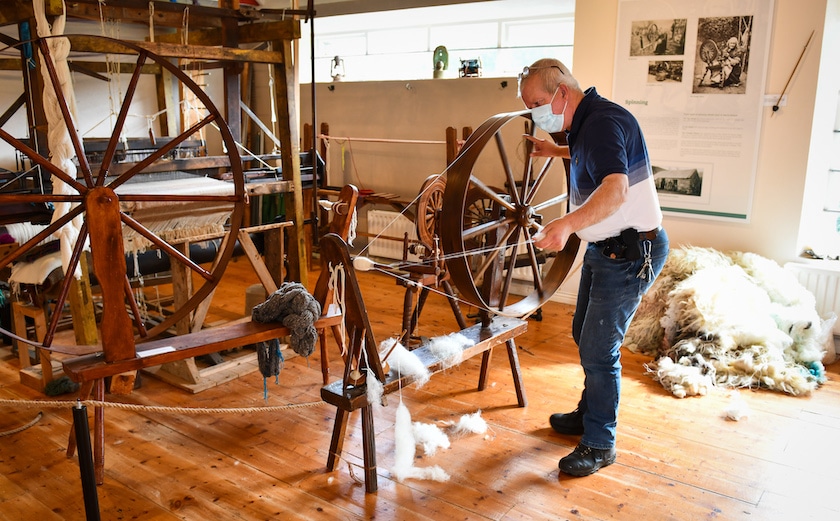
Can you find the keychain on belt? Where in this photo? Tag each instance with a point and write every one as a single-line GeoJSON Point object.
{"type": "Point", "coordinates": [646, 273]}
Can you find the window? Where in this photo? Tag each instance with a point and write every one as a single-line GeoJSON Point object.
{"type": "Point", "coordinates": [503, 35]}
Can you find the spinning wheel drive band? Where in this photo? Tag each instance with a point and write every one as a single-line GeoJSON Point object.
{"type": "Point", "coordinates": [429, 205]}
{"type": "Point", "coordinates": [95, 201]}
{"type": "Point", "coordinates": [487, 232]}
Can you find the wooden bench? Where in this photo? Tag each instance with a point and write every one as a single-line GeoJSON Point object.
{"type": "Point", "coordinates": [90, 370]}
{"type": "Point", "coordinates": [347, 395]}
{"type": "Point", "coordinates": [231, 335]}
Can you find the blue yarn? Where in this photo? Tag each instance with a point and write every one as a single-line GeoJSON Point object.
{"type": "Point", "coordinates": [817, 370]}
{"type": "Point", "coordinates": [271, 365]}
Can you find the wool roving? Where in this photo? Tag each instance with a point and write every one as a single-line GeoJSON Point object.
{"type": "Point", "coordinates": [469, 423]}
{"type": "Point", "coordinates": [430, 437]}
{"type": "Point", "coordinates": [450, 348]}
{"type": "Point", "coordinates": [403, 361]}
{"type": "Point", "coordinates": [405, 448]}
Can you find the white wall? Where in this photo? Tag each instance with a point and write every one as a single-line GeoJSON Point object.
{"type": "Point", "coordinates": [422, 110]}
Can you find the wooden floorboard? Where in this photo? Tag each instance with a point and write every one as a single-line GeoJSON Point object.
{"type": "Point", "coordinates": [677, 458]}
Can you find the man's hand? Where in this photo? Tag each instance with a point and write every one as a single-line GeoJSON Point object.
{"type": "Point", "coordinates": [543, 148]}
{"type": "Point", "coordinates": [553, 236]}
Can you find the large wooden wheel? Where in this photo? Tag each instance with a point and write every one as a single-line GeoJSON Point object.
{"type": "Point", "coordinates": [99, 194]}
{"type": "Point", "coordinates": [487, 232]}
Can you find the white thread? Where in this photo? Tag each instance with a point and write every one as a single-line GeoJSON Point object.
{"type": "Point", "coordinates": [336, 284]}
{"type": "Point", "coordinates": [152, 22]}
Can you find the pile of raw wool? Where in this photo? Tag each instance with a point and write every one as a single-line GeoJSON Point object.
{"type": "Point", "coordinates": [731, 320]}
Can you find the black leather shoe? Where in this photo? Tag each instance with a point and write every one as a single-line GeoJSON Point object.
{"type": "Point", "coordinates": [569, 423]}
{"type": "Point", "coordinates": [584, 460]}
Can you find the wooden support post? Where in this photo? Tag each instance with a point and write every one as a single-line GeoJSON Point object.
{"type": "Point", "coordinates": [451, 144]}
{"type": "Point", "coordinates": [81, 307]}
{"type": "Point", "coordinates": [182, 289]}
{"type": "Point", "coordinates": [287, 101]}
{"type": "Point", "coordinates": [36, 376]}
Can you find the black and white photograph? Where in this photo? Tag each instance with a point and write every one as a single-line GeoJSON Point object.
{"type": "Point", "coordinates": [723, 52]}
{"type": "Point", "coordinates": [658, 37]}
{"type": "Point", "coordinates": [665, 71]}
{"type": "Point", "coordinates": [678, 180]}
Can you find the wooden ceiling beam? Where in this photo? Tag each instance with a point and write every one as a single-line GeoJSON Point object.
{"type": "Point", "coordinates": [171, 50]}
{"type": "Point", "coordinates": [248, 33]}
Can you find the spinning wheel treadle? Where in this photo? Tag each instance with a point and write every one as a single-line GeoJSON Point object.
{"type": "Point", "coordinates": [94, 198]}
{"type": "Point", "coordinates": [487, 232]}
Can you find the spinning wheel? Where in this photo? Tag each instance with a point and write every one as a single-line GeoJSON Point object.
{"type": "Point", "coordinates": [709, 52]}
{"type": "Point", "coordinates": [429, 205]}
{"type": "Point", "coordinates": [98, 195]}
{"type": "Point", "coordinates": [487, 232]}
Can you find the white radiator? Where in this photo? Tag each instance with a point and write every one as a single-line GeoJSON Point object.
{"type": "Point", "coordinates": [390, 224]}
{"type": "Point", "coordinates": [823, 280]}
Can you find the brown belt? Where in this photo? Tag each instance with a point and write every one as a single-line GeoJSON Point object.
{"type": "Point", "coordinates": [651, 235]}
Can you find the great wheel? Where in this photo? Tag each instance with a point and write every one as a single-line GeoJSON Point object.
{"type": "Point", "coordinates": [101, 196]}
{"type": "Point", "coordinates": [496, 198]}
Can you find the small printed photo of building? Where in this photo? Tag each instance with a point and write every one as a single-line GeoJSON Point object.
{"type": "Point", "coordinates": [678, 181]}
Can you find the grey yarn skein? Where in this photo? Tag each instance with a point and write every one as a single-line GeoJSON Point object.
{"type": "Point", "coordinates": [295, 308]}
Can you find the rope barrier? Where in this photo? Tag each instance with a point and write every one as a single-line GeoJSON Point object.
{"type": "Point", "coordinates": [61, 404]}
{"type": "Point", "coordinates": [23, 427]}
{"type": "Point", "coordinates": [382, 140]}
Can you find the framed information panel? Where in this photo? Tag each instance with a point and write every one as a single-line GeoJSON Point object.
{"type": "Point", "coordinates": [693, 73]}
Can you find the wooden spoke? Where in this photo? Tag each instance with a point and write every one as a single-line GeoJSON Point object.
{"type": "Point", "coordinates": [54, 85]}
{"type": "Point", "coordinates": [39, 237]}
{"type": "Point", "coordinates": [173, 253]}
{"type": "Point", "coordinates": [162, 151]}
{"type": "Point", "coordinates": [511, 182]}
{"type": "Point", "coordinates": [541, 177]}
{"type": "Point", "coordinates": [41, 161]}
{"type": "Point", "coordinates": [111, 149]}
{"type": "Point", "coordinates": [78, 250]}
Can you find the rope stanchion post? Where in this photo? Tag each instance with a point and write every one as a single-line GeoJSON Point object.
{"type": "Point", "coordinates": [80, 423]}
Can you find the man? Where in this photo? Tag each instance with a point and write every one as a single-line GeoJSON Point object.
{"type": "Point", "coordinates": [614, 206]}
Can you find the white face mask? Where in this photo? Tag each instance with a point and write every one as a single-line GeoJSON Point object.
{"type": "Point", "coordinates": [546, 119]}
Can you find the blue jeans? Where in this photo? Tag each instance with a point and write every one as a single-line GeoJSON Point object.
{"type": "Point", "coordinates": [609, 294]}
